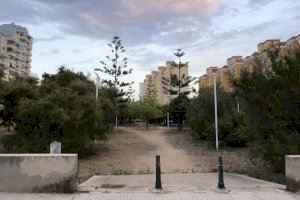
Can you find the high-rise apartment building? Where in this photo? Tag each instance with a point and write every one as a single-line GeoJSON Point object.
{"type": "Point", "coordinates": [154, 80]}
{"type": "Point", "coordinates": [236, 64]}
{"type": "Point", "coordinates": [15, 51]}
{"type": "Point", "coordinates": [142, 90]}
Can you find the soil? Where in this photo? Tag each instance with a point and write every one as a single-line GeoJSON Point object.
{"type": "Point", "coordinates": [133, 149]}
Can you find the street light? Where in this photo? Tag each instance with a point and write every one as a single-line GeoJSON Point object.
{"type": "Point", "coordinates": [216, 112]}
{"type": "Point", "coordinates": [97, 81]}
{"type": "Point", "coordinates": [221, 184]}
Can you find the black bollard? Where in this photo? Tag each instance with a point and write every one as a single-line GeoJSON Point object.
{"type": "Point", "coordinates": [221, 184]}
{"type": "Point", "coordinates": [158, 174]}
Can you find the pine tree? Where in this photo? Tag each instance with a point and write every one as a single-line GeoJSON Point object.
{"type": "Point", "coordinates": [174, 85]}
{"type": "Point", "coordinates": [116, 67]}
{"type": "Point", "coordinates": [151, 90]}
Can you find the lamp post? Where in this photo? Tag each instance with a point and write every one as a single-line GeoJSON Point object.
{"type": "Point", "coordinates": [96, 85]}
{"type": "Point", "coordinates": [216, 112]}
{"type": "Point", "coordinates": [221, 184]}
{"type": "Point", "coordinates": [97, 81]}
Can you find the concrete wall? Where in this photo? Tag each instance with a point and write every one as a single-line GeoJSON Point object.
{"type": "Point", "coordinates": [38, 172]}
{"type": "Point", "coordinates": [292, 172]}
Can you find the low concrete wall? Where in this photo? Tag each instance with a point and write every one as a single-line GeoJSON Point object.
{"type": "Point", "coordinates": [38, 172]}
{"type": "Point", "coordinates": [292, 172]}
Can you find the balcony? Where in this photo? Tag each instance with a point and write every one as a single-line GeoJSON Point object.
{"type": "Point", "coordinates": [12, 47]}
{"type": "Point", "coordinates": [23, 37]}
{"type": "Point", "coordinates": [11, 54]}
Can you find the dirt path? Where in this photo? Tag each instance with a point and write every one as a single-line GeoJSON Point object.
{"type": "Point", "coordinates": [172, 159]}
{"type": "Point", "coordinates": [132, 151]}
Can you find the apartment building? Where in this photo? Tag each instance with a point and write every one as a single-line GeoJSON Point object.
{"type": "Point", "coordinates": [142, 90]}
{"type": "Point", "coordinates": [236, 64]}
{"type": "Point", "coordinates": [154, 80]}
{"type": "Point", "coordinates": [15, 51]}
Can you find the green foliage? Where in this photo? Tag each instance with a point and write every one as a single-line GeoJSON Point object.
{"type": "Point", "coordinates": [232, 128]}
{"type": "Point", "coordinates": [173, 86]}
{"type": "Point", "coordinates": [200, 113]}
{"type": "Point", "coordinates": [61, 108]}
{"type": "Point", "coordinates": [271, 95]}
{"type": "Point", "coordinates": [147, 109]}
{"type": "Point", "coordinates": [13, 92]}
{"type": "Point", "coordinates": [116, 67]}
{"type": "Point", "coordinates": [133, 110]}
{"type": "Point", "coordinates": [151, 90]}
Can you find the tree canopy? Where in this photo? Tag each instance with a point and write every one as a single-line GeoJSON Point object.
{"type": "Point", "coordinates": [61, 108]}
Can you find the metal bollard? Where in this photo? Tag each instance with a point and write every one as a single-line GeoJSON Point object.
{"type": "Point", "coordinates": [221, 184]}
{"type": "Point", "coordinates": [158, 174]}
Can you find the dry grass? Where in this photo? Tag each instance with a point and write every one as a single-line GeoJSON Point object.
{"type": "Point", "coordinates": [133, 150]}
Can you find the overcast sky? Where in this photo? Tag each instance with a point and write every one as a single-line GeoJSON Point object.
{"type": "Point", "coordinates": [75, 32]}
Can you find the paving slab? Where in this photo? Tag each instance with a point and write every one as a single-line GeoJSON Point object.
{"type": "Point", "coordinates": [187, 195]}
{"type": "Point", "coordinates": [186, 181]}
{"type": "Point", "coordinates": [176, 187]}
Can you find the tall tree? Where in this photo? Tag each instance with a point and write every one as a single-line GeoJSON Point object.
{"type": "Point", "coordinates": [174, 85]}
{"type": "Point", "coordinates": [271, 96]}
{"type": "Point", "coordinates": [151, 89]}
{"type": "Point", "coordinates": [116, 67]}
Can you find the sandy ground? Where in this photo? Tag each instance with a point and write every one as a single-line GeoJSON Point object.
{"type": "Point", "coordinates": [132, 151]}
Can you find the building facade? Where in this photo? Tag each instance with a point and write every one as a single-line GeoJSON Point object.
{"type": "Point", "coordinates": [154, 80]}
{"type": "Point", "coordinates": [236, 64]}
{"type": "Point", "coordinates": [142, 90]}
{"type": "Point", "coordinates": [15, 51]}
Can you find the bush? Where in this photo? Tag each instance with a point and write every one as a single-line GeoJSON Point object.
{"type": "Point", "coordinates": [202, 128]}
{"type": "Point", "coordinates": [271, 95]}
{"type": "Point", "coordinates": [233, 130]}
{"type": "Point", "coordinates": [61, 108]}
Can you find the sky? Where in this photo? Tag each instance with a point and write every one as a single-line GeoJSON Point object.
{"type": "Point", "coordinates": [75, 33]}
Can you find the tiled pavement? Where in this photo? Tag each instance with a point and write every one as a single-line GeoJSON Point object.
{"type": "Point", "coordinates": [176, 187]}
{"type": "Point", "coordinates": [186, 195]}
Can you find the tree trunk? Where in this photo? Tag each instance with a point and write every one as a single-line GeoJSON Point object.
{"type": "Point", "coordinates": [147, 124]}
{"type": "Point", "coordinates": [178, 121]}
{"type": "Point", "coordinates": [116, 123]}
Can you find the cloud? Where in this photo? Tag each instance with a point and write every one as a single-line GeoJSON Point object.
{"type": "Point", "coordinates": [52, 52]}
{"type": "Point", "coordinates": [76, 51]}
{"type": "Point", "coordinates": [232, 34]}
{"type": "Point", "coordinates": [138, 21]}
{"type": "Point", "coordinates": [49, 39]}
{"type": "Point", "coordinates": [258, 3]}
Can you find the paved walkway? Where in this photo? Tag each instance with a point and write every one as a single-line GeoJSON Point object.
{"type": "Point", "coordinates": [203, 195]}
{"type": "Point", "coordinates": [176, 187]}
